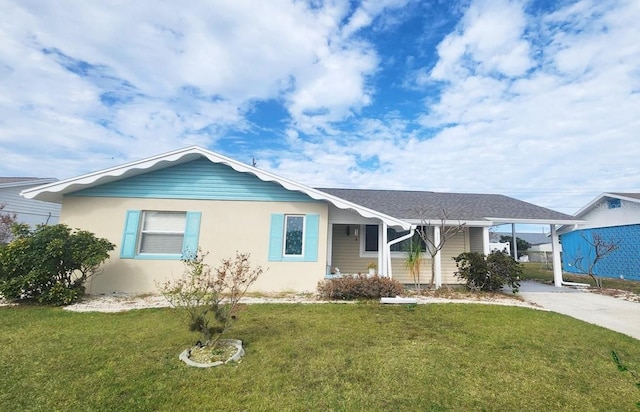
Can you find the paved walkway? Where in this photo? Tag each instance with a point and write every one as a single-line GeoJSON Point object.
{"type": "Point", "coordinates": [606, 311]}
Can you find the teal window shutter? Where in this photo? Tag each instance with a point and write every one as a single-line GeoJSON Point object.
{"type": "Point", "coordinates": [191, 235]}
{"type": "Point", "coordinates": [311, 234]}
{"type": "Point", "coordinates": [276, 237]}
{"type": "Point", "coordinates": [130, 236]}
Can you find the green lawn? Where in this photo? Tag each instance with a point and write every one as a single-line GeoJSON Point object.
{"type": "Point", "coordinates": [306, 357]}
{"type": "Point", "coordinates": [536, 271]}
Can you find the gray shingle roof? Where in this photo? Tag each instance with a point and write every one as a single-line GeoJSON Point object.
{"type": "Point", "coordinates": [17, 179]}
{"type": "Point", "coordinates": [406, 204]}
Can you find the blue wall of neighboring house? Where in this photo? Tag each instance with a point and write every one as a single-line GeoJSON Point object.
{"type": "Point", "coordinates": [622, 262]}
{"type": "Point", "coordinates": [198, 179]}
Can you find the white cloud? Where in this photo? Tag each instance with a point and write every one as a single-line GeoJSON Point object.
{"type": "Point", "coordinates": [173, 71]}
{"type": "Point", "coordinates": [488, 40]}
{"type": "Point", "coordinates": [528, 126]}
{"type": "Point", "coordinates": [544, 107]}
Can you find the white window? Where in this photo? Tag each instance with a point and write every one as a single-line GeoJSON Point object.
{"type": "Point", "coordinates": [162, 232]}
{"type": "Point", "coordinates": [293, 235]}
{"type": "Point", "coordinates": [369, 243]}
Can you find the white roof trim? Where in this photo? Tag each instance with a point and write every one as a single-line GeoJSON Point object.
{"type": "Point", "coordinates": [537, 221]}
{"type": "Point", "coordinates": [53, 192]}
{"type": "Point", "coordinates": [590, 205]}
{"type": "Point", "coordinates": [492, 221]}
{"type": "Point", "coordinates": [450, 222]}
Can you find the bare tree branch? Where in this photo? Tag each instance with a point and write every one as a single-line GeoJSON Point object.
{"type": "Point", "coordinates": [599, 248]}
{"type": "Point", "coordinates": [447, 231]}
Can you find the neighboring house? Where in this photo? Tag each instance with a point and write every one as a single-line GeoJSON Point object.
{"type": "Point", "coordinates": [540, 249]}
{"type": "Point", "coordinates": [614, 218]}
{"type": "Point", "coordinates": [157, 209]}
{"type": "Point", "coordinates": [30, 211]}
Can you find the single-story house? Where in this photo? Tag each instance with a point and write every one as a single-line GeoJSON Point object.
{"type": "Point", "coordinates": [30, 211]}
{"type": "Point", "coordinates": [540, 249]}
{"type": "Point", "coordinates": [159, 208]}
{"type": "Point", "coordinates": [611, 218]}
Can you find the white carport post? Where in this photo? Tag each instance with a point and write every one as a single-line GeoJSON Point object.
{"type": "Point", "coordinates": [555, 252]}
{"type": "Point", "coordinates": [485, 241]}
{"type": "Point", "coordinates": [514, 246]}
{"type": "Point", "coordinates": [437, 259]}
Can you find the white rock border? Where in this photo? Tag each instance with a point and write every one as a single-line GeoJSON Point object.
{"type": "Point", "coordinates": [184, 356]}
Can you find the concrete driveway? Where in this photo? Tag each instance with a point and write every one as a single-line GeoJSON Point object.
{"type": "Point", "coordinates": [606, 311]}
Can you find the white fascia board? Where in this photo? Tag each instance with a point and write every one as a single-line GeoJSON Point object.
{"type": "Point", "coordinates": [450, 222]}
{"type": "Point", "coordinates": [53, 192]}
{"type": "Point", "coordinates": [600, 197]}
{"type": "Point", "coordinates": [538, 221]}
{"type": "Point", "coordinates": [589, 205]}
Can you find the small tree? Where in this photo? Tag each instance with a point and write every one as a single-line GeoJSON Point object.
{"type": "Point", "coordinates": [447, 231]}
{"type": "Point", "coordinates": [6, 221]}
{"type": "Point", "coordinates": [208, 298]}
{"type": "Point", "coordinates": [597, 249]}
{"type": "Point", "coordinates": [50, 264]}
{"type": "Point", "coordinates": [413, 261]}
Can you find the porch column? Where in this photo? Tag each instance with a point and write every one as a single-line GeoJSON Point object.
{"type": "Point", "coordinates": [437, 259]}
{"type": "Point", "coordinates": [383, 258]}
{"type": "Point", "coordinates": [555, 251]}
{"type": "Point", "coordinates": [485, 241]}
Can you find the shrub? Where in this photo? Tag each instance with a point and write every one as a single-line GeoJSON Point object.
{"type": "Point", "coordinates": [50, 264]}
{"type": "Point", "coordinates": [208, 298]}
{"type": "Point", "coordinates": [359, 287]}
{"type": "Point", "coordinates": [490, 273]}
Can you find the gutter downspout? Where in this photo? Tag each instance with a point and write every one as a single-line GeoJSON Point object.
{"type": "Point", "coordinates": [388, 249]}
{"type": "Point", "coordinates": [382, 255]}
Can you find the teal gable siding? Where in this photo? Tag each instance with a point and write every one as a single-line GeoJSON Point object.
{"type": "Point", "coordinates": [198, 179]}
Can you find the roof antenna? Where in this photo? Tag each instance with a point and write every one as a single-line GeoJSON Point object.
{"type": "Point", "coordinates": [253, 162]}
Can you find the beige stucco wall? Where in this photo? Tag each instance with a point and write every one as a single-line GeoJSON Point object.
{"type": "Point", "coordinates": [346, 255]}
{"type": "Point", "coordinates": [226, 226]}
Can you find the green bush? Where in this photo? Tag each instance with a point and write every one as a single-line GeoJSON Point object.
{"type": "Point", "coordinates": [50, 264]}
{"type": "Point", "coordinates": [490, 273]}
{"type": "Point", "coordinates": [359, 287]}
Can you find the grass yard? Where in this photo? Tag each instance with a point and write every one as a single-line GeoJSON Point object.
{"type": "Point", "coordinates": [536, 271]}
{"type": "Point", "coordinates": [365, 356]}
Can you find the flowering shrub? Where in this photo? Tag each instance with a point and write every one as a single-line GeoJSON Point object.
{"type": "Point", "coordinates": [359, 287]}
{"type": "Point", "coordinates": [208, 298]}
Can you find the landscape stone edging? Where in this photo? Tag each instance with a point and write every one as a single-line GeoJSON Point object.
{"type": "Point", "coordinates": [184, 356]}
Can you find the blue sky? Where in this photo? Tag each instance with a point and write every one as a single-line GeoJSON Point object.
{"type": "Point", "coordinates": [539, 100]}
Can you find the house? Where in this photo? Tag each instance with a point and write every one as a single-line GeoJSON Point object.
{"type": "Point", "coordinates": [29, 211]}
{"type": "Point", "coordinates": [540, 249]}
{"type": "Point", "coordinates": [611, 218]}
{"type": "Point", "coordinates": [159, 208]}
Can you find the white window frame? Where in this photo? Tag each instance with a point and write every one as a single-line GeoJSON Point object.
{"type": "Point", "coordinates": [284, 238]}
{"type": "Point", "coordinates": [142, 231]}
{"type": "Point", "coordinates": [369, 254]}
